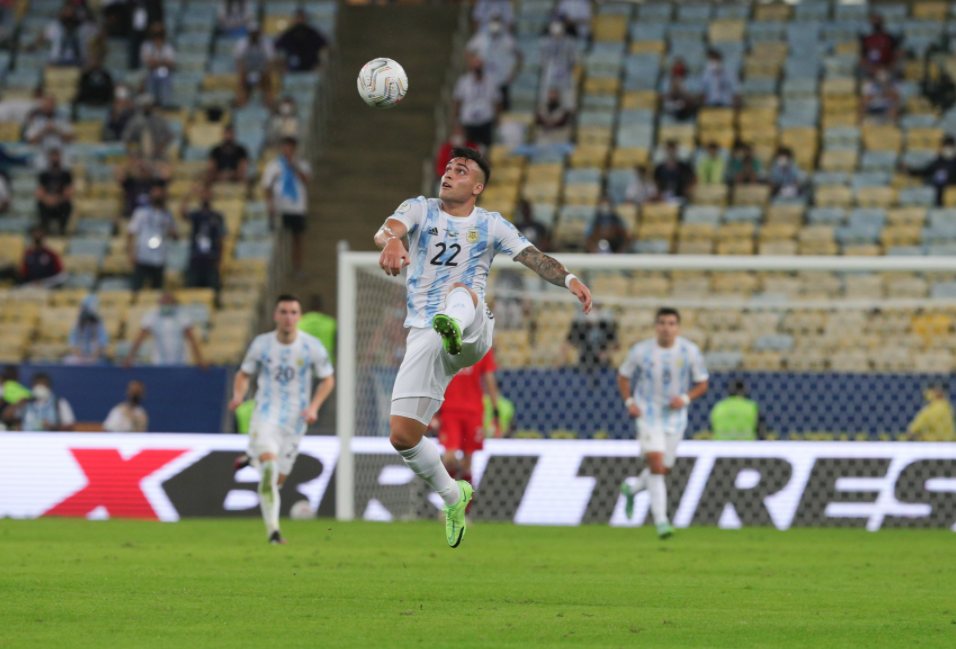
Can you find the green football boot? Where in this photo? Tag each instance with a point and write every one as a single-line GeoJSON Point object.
{"type": "Point", "coordinates": [450, 333]}
{"type": "Point", "coordinates": [455, 525]}
{"type": "Point", "coordinates": [629, 502]}
{"type": "Point", "coordinates": [665, 531]}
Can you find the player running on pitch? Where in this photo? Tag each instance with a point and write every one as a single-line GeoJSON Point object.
{"type": "Point", "coordinates": [671, 374]}
{"type": "Point", "coordinates": [451, 247]}
{"type": "Point", "coordinates": [286, 359]}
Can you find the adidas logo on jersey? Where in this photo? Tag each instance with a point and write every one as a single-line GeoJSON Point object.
{"type": "Point", "coordinates": [433, 231]}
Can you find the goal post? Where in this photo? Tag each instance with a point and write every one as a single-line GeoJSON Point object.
{"type": "Point", "coordinates": [831, 347]}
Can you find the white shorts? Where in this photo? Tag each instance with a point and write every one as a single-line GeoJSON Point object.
{"type": "Point", "coordinates": [653, 439]}
{"type": "Point", "coordinates": [427, 370]}
{"type": "Point", "coordinates": [281, 441]}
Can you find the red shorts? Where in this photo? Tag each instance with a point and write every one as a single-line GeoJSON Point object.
{"type": "Point", "coordinates": [462, 431]}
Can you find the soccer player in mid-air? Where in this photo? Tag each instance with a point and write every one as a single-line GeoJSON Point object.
{"type": "Point", "coordinates": [451, 244]}
{"type": "Point", "coordinates": [286, 359]}
{"type": "Point", "coordinates": [671, 374]}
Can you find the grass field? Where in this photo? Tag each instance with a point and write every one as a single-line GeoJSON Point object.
{"type": "Point", "coordinates": [216, 583]}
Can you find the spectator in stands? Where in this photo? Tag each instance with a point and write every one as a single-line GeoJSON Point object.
{"type": "Point", "coordinates": [233, 16]}
{"type": "Point", "coordinates": [229, 160]}
{"type": "Point", "coordinates": [96, 85]}
{"type": "Point", "coordinates": [89, 340]}
{"type": "Point", "coordinates": [576, 14]}
{"type": "Point", "coordinates": [4, 194]}
{"type": "Point", "coordinates": [881, 97]}
{"type": "Point", "coordinates": [678, 68]}
{"type": "Point", "coordinates": [744, 167]}
{"type": "Point", "coordinates": [142, 15]}
{"type": "Point", "coordinates": [205, 241]}
{"type": "Point", "coordinates": [455, 140]}
{"type": "Point", "coordinates": [149, 129]}
{"type": "Point", "coordinates": [607, 232]}
{"type": "Point", "coordinates": [941, 172]}
{"type": "Point", "coordinates": [677, 102]}
{"type": "Point", "coordinates": [284, 180]}
{"type": "Point", "coordinates": [317, 323]}
{"type": "Point", "coordinates": [45, 411]}
{"type": "Point", "coordinates": [254, 55]}
{"type": "Point", "coordinates": [487, 10]}
{"type": "Point", "coordinates": [736, 416]}
{"type": "Point", "coordinates": [554, 119]}
{"type": "Point", "coordinates": [120, 113]}
{"type": "Point", "coordinates": [283, 123]}
{"type": "Point", "coordinates": [137, 177]}
{"type": "Point", "coordinates": [786, 179]}
{"type": "Point", "coordinates": [879, 50]}
{"type": "Point", "coordinates": [476, 103]}
{"type": "Point", "coordinates": [711, 166]}
{"type": "Point", "coordinates": [641, 188]}
{"type": "Point", "coordinates": [502, 58]}
{"type": "Point", "coordinates": [594, 335]}
{"type": "Point", "coordinates": [558, 55]}
{"type": "Point", "coordinates": [674, 177]}
{"type": "Point", "coordinates": [41, 265]}
{"type": "Point", "coordinates": [46, 131]}
{"type": "Point", "coordinates": [159, 57]}
{"type": "Point", "coordinates": [54, 194]}
{"type": "Point", "coordinates": [532, 229]}
{"type": "Point", "coordinates": [719, 84]}
{"type": "Point", "coordinates": [66, 37]}
{"type": "Point", "coordinates": [934, 423]}
{"type": "Point", "coordinates": [171, 328]}
{"type": "Point", "coordinates": [129, 416]}
{"type": "Point", "coordinates": [147, 239]}
{"type": "Point", "coordinates": [303, 46]}
{"type": "Point", "coordinates": [116, 18]}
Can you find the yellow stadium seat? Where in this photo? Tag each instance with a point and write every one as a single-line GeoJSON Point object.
{"type": "Point", "coordinates": [777, 248]}
{"type": "Point", "coordinates": [949, 197]}
{"type": "Point", "coordinates": [778, 12]}
{"type": "Point", "coordinates": [923, 139]}
{"type": "Point", "coordinates": [770, 51]}
{"type": "Point", "coordinates": [758, 195]}
{"type": "Point", "coordinates": [875, 196]}
{"type": "Point", "coordinates": [275, 25]}
{"type": "Point", "coordinates": [205, 135]}
{"type": "Point", "coordinates": [710, 195]}
{"type": "Point", "coordinates": [883, 138]}
{"type": "Point", "coordinates": [629, 157]}
{"type": "Point", "coordinates": [715, 117]}
{"type": "Point", "coordinates": [659, 213]}
{"type": "Point", "coordinates": [608, 28]}
{"type": "Point", "coordinates": [589, 156]}
{"type": "Point", "coordinates": [839, 160]}
{"type": "Point", "coordinates": [779, 231]}
{"type": "Point", "coordinates": [639, 99]}
{"type": "Point", "coordinates": [658, 230]}
{"type": "Point", "coordinates": [582, 194]}
{"type": "Point", "coordinates": [726, 31]}
{"type": "Point", "coordinates": [544, 173]}
{"type": "Point", "coordinates": [696, 231]}
{"type": "Point", "coordinates": [501, 156]}
{"type": "Point", "coordinates": [735, 247]}
{"type": "Point", "coordinates": [220, 82]}
{"type": "Point", "coordinates": [541, 192]}
{"type": "Point", "coordinates": [910, 215]}
{"type": "Point", "coordinates": [786, 213]}
{"type": "Point", "coordinates": [602, 86]}
{"type": "Point", "coordinates": [595, 135]}
{"type": "Point", "coordinates": [936, 11]}
{"type": "Point", "coordinates": [838, 87]}
{"type": "Point", "coordinates": [900, 235]}
{"type": "Point", "coordinates": [642, 47]}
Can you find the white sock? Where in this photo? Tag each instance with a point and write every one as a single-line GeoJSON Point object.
{"type": "Point", "coordinates": [269, 495]}
{"type": "Point", "coordinates": [425, 461]}
{"type": "Point", "coordinates": [639, 484]}
{"type": "Point", "coordinates": [460, 306]}
{"type": "Point", "coordinates": [658, 489]}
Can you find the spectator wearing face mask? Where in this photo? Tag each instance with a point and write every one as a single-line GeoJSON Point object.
{"type": "Point", "coordinates": [641, 188]}
{"type": "Point", "coordinates": [674, 177]}
{"type": "Point", "coordinates": [941, 172]}
{"type": "Point", "coordinates": [879, 50]}
{"type": "Point", "coordinates": [476, 103]}
{"type": "Point", "coordinates": [554, 120]}
{"type": "Point", "coordinates": [229, 160]}
{"type": "Point", "coordinates": [558, 55]}
{"type": "Point", "coordinates": [95, 86]}
{"type": "Point", "coordinates": [129, 416]}
{"type": "Point", "coordinates": [89, 339]}
{"type": "Point", "coordinates": [171, 329]}
{"type": "Point", "coordinates": [121, 110]}
{"type": "Point", "coordinates": [147, 240]}
{"type": "Point", "coordinates": [45, 411]}
{"type": "Point", "coordinates": [786, 179]}
{"type": "Point", "coordinates": [678, 102]}
{"type": "Point", "coordinates": [303, 46]}
{"type": "Point", "coordinates": [487, 10]}
{"type": "Point", "coordinates": [881, 96]}
{"type": "Point", "coordinates": [54, 194]}
{"type": "Point", "coordinates": [502, 58]}
{"type": "Point", "coordinates": [66, 37]}
{"type": "Point", "coordinates": [149, 130]}
{"type": "Point", "coordinates": [159, 57]}
{"type": "Point", "coordinates": [711, 166]}
{"type": "Point", "coordinates": [41, 265]}
{"type": "Point", "coordinates": [137, 177]}
{"type": "Point", "coordinates": [283, 123]}
{"type": "Point", "coordinates": [719, 84]}
{"type": "Point", "coordinates": [456, 140]}
{"type": "Point", "coordinates": [205, 241]}
{"type": "Point", "coordinates": [607, 232]}
{"type": "Point", "coordinates": [48, 131]}
{"type": "Point", "coordinates": [254, 55]}
{"type": "Point", "coordinates": [744, 167]}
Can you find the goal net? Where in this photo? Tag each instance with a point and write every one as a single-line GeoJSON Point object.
{"type": "Point", "coordinates": [830, 348]}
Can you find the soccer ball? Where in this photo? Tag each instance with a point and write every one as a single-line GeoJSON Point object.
{"type": "Point", "coordinates": [301, 511]}
{"type": "Point", "coordinates": [382, 83]}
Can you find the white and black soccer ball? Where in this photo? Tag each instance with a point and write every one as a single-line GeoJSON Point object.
{"type": "Point", "coordinates": [382, 83]}
{"type": "Point", "coordinates": [301, 511]}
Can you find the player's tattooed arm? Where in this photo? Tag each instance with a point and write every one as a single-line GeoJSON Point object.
{"type": "Point", "coordinates": [548, 268]}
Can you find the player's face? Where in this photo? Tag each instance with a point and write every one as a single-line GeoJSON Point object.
{"type": "Point", "coordinates": [287, 316]}
{"type": "Point", "coordinates": [667, 328]}
{"type": "Point", "coordinates": [462, 180]}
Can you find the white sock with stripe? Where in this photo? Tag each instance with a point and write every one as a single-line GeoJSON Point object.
{"type": "Point", "coordinates": [658, 489]}
{"type": "Point", "coordinates": [638, 484]}
{"type": "Point", "coordinates": [460, 306]}
{"type": "Point", "coordinates": [269, 495]}
{"type": "Point", "coordinates": [426, 463]}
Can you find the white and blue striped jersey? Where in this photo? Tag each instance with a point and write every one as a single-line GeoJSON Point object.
{"type": "Point", "coordinates": [663, 373]}
{"type": "Point", "coordinates": [447, 249]}
{"type": "Point", "coordinates": [284, 384]}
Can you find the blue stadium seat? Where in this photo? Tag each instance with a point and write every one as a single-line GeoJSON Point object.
{"type": "Point", "coordinates": [826, 216]}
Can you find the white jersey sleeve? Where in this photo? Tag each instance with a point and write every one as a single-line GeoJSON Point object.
{"type": "Point", "coordinates": [508, 241]}
{"type": "Point", "coordinates": [320, 361]}
{"type": "Point", "coordinates": [252, 361]}
{"type": "Point", "coordinates": [632, 363]}
{"type": "Point", "coordinates": [411, 213]}
{"type": "Point", "coordinates": [698, 370]}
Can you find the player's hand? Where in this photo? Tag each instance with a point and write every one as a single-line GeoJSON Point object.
{"type": "Point", "coordinates": [310, 415]}
{"type": "Point", "coordinates": [234, 403]}
{"type": "Point", "coordinates": [394, 257]}
{"type": "Point", "coordinates": [676, 403]}
{"type": "Point", "coordinates": [582, 293]}
{"type": "Point", "coordinates": [634, 411]}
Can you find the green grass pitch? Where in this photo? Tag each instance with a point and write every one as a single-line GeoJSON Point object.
{"type": "Point", "coordinates": [216, 583]}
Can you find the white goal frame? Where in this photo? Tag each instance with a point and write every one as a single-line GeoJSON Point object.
{"type": "Point", "coordinates": [350, 262]}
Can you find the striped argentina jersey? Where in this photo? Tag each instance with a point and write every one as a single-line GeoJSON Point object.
{"type": "Point", "coordinates": [663, 373]}
{"type": "Point", "coordinates": [448, 249]}
{"type": "Point", "coordinates": [284, 385]}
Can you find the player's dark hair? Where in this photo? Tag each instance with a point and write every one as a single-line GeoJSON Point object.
{"type": "Point", "coordinates": [737, 388]}
{"type": "Point", "coordinates": [666, 310]}
{"type": "Point", "coordinates": [287, 297]}
{"type": "Point", "coordinates": [42, 376]}
{"type": "Point", "coordinates": [471, 154]}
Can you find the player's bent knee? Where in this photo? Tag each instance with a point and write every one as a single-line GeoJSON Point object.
{"type": "Point", "coordinates": [406, 433]}
{"type": "Point", "coordinates": [474, 296]}
{"type": "Point", "coordinates": [266, 457]}
{"type": "Point", "coordinates": [282, 478]}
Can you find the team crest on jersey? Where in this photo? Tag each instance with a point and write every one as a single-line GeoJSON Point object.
{"type": "Point", "coordinates": [472, 236]}
{"type": "Point", "coordinates": [300, 362]}
{"type": "Point", "coordinates": [404, 207]}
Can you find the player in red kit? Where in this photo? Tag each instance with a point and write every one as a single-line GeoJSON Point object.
{"type": "Point", "coordinates": [462, 415]}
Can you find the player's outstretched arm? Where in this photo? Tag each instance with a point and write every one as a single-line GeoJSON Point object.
{"type": "Point", "coordinates": [389, 238]}
{"type": "Point", "coordinates": [239, 388]}
{"type": "Point", "coordinates": [553, 271]}
{"type": "Point", "coordinates": [311, 413]}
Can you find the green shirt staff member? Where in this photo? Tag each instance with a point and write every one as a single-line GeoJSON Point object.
{"type": "Point", "coordinates": [736, 417]}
